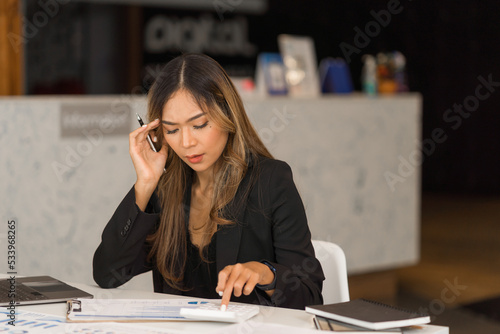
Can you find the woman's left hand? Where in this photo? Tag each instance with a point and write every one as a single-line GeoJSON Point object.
{"type": "Point", "coordinates": [242, 278]}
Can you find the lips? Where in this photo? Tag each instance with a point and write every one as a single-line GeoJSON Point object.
{"type": "Point", "coordinates": [195, 158]}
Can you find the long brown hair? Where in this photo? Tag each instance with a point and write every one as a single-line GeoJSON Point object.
{"type": "Point", "coordinates": [216, 95]}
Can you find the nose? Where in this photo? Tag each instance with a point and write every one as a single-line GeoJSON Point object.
{"type": "Point", "coordinates": [188, 139]}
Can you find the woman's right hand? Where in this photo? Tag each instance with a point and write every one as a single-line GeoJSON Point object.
{"type": "Point", "coordinates": [149, 165]}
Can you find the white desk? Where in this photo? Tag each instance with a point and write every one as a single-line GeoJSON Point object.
{"type": "Point", "coordinates": [268, 315]}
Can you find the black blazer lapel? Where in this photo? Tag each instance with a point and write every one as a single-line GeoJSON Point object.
{"type": "Point", "coordinates": [228, 237]}
{"type": "Point", "coordinates": [228, 243]}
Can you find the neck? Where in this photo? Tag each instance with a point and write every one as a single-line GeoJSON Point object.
{"type": "Point", "coordinates": [204, 182]}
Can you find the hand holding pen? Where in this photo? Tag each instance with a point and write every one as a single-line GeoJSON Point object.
{"type": "Point", "coordinates": [149, 163]}
{"type": "Point", "coordinates": [141, 123]}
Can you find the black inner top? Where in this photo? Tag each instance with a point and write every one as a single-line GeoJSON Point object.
{"type": "Point", "coordinates": [200, 277]}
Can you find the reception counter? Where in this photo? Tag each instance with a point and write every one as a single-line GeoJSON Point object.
{"type": "Point", "coordinates": [64, 167]}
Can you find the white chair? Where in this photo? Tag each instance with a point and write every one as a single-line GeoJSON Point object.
{"type": "Point", "coordinates": [332, 259]}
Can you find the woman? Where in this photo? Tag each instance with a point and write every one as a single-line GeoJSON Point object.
{"type": "Point", "coordinates": [211, 213]}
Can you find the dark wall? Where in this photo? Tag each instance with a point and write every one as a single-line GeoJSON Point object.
{"type": "Point", "coordinates": [449, 46]}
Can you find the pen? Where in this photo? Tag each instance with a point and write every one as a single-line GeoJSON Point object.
{"type": "Point", "coordinates": [149, 137]}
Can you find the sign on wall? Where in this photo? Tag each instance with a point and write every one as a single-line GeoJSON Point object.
{"type": "Point", "coordinates": [168, 33]}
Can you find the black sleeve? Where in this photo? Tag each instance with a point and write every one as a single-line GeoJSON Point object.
{"type": "Point", "coordinates": [123, 251]}
{"type": "Point", "coordinates": [299, 277]}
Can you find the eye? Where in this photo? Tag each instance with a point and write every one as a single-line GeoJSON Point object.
{"type": "Point", "coordinates": [197, 127]}
{"type": "Point", "coordinates": [169, 132]}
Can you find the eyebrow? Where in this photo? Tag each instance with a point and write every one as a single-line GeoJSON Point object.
{"type": "Point", "coordinates": [189, 120]}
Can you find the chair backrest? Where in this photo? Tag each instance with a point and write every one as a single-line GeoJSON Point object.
{"type": "Point", "coordinates": [333, 262]}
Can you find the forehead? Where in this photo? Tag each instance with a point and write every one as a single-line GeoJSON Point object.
{"type": "Point", "coordinates": [180, 107]}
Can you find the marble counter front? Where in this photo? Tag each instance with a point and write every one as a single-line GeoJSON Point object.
{"type": "Point", "coordinates": [355, 161]}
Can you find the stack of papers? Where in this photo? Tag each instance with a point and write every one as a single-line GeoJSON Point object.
{"type": "Point", "coordinates": [39, 323]}
{"type": "Point", "coordinates": [86, 310]}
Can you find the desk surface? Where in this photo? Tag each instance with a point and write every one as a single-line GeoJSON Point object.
{"type": "Point", "coordinates": [268, 315]}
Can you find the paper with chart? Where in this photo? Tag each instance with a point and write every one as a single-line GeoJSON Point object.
{"type": "Point", "coordinates": [39, 323]}
{"type": "Point", "coordinates": [128, 309]}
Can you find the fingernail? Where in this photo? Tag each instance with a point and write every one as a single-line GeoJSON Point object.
{"type": "Point", "coordinates": [221, 293]}
{"type": "Point", "coordinates": [223, 307]}
{"type": "Point", "coordinates": [155, 139]}
{"type": "Point", "coordinates": [144, 125]}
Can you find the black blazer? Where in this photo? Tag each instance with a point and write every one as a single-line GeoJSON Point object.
{"type": "Point", "coordinates": [270, 224]}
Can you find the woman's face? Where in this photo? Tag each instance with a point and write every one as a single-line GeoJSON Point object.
{"type": "Point", "coordinates": [193, 136]}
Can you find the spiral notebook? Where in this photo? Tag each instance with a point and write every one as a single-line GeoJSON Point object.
{"type": "Point", "coordinates": [369, 314]}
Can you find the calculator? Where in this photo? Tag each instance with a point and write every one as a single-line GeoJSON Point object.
{"type": "Point", "coordinates": [211, 312]}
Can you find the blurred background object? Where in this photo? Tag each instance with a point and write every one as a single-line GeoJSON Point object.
{"type": "Point", "coordinates": [448, 49]}
{"type": "Point", "coordinates": [118, 47]}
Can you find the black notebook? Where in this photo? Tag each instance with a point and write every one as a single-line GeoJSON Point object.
{"type": "Point", "coordinates": [325, 324]}
{"type": "Point", "coordinates": [369, 314]}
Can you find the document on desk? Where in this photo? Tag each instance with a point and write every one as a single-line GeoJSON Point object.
{"type": "Point", "coordinates": [255, 327]}
{"type": "Point", "coordinates": [94, 310]}
{"type": "Point", "coordinates": [40, 323]}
